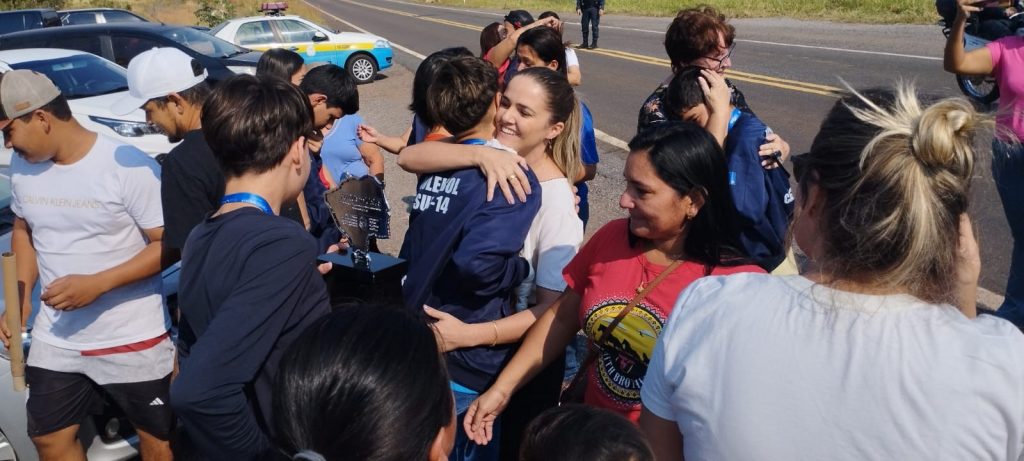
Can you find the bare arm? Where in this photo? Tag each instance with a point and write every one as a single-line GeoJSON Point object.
{"type": "Point", "coordinates": [663, 435]}
{"type": "Point", "coordinates": [391, 144]}
{"type": "Point", "coordinates": [501, 52]}
{"type": "Point", "coordinates": [956, 59]}
{"type": "Point", "coordinates": [588, 172]}
{"type": "Point", "coordinates": [27, 273]}
{"type": "Point", "coordinates": [544, 342]}
{"type": "Point", "coordinates": [456, 334]}
{"type": "Point", "coordinates": [968, 268]}
{"type": "Point", "coordinates": [717, 95]}
{"type": "Point", "coordinates": [79, 290]}
{"type": "Point", "coordinates": [575, 76]}
{"type": "Point", "coordinates": [372, 158]}
{"type": "Point", "coordinates": [303, 212]}
{"type": "Point", "coordinates": [498, 166]}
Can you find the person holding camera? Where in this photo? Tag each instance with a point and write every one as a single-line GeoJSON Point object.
{"type": "Point", "coordinates": [1004, 59]}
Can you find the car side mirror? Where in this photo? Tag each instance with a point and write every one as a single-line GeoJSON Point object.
{"type": "Point", "coordinates": [319, 37]}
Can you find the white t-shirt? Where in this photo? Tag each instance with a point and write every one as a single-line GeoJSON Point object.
{"type": "Point", "coordinates": [554, 236]}
{"type": "Point", "coordinates": [570, 58]}
{"type": "Point", "coordinates": [755, 367]}
{"type": "Point", "coordinates": [87, 217]}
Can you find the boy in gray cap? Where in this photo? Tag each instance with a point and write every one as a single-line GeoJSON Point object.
{"type": "Point", "coordinates": [88, 226]}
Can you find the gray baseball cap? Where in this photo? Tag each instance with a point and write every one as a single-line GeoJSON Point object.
{"type": "Point", "coordinates": [23, 91]}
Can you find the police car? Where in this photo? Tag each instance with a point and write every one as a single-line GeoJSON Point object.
{"type": "Point", "coordinates": [361, 54]}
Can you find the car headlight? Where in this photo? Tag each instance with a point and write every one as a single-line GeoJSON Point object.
{"type": "Point", "coordinates": [251, 70]}
{"type": "Point", "coordinates": [382, 44]}
{"type": "Point", "coordinates": [127, 128]}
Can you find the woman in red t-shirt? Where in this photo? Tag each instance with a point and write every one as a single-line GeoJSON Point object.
{"type": "Point", "coordinates": [681, 218]}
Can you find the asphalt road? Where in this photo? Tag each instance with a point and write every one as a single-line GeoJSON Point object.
{"type": "Point", "coordinates": [790, 72]}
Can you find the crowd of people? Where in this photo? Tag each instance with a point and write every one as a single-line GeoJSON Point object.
{"type": "Point", "coordinates": [729, 316]}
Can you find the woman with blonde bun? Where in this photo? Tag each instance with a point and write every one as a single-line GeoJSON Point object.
{"type": "Point", "coordinates": [874, 352]}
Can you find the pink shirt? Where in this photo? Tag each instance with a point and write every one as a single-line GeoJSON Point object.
{"type": "Point", "coordinates": [1008, 66]}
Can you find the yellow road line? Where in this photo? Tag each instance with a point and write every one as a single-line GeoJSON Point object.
{"type": "Point", "coordinates": [766, 80]}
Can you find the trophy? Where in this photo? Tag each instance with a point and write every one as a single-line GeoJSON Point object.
{"type": "Point", "coordinates": [361, 211]}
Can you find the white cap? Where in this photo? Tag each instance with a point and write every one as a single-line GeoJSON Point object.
{"type": "Point", "coordinates": [157, 73]}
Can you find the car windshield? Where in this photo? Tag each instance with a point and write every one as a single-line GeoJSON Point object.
{"type": "Point", "coordinates": [80, 75]}
{"type": "Point", "coordinates": [203, 43]}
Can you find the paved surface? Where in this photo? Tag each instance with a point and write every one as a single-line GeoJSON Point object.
{"type": "Point", "coordinates": [789, 71]}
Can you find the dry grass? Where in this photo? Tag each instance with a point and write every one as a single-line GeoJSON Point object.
{"type": "Point", "coordinates": [182, 12]}
{"type": "Point", "coordinates": [867, 11]}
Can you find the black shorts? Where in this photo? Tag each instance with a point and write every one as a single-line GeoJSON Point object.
{"type": "Point", "coordinates": [57, 400]}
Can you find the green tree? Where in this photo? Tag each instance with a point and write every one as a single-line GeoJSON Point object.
{"type": "Point", "coordinates": [213, 12]}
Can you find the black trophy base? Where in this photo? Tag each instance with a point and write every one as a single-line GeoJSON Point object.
{"type": "Point", "coordinates": [377, 280]}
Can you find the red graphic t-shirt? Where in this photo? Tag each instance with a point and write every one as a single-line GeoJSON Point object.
{"type": "Point", "coordinates": [606, 273]}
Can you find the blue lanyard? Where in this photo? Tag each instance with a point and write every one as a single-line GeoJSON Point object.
{"type": "Point", "coordinates": [735, 117]}
{"type": "Point", "coordinates": [474, 142]}
{"type": "Point", "coordinates": [246, 197]}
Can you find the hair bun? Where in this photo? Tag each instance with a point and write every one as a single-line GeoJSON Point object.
{"type": "Point", "coordinates": [942, 136]}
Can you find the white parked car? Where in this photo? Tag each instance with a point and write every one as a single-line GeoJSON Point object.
{"type": "Point", "coordinates": [91, 85]}
{"type": "Point", "coordinates": [361, 54]}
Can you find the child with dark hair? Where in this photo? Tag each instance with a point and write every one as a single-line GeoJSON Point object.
{"type": "Point", "coordinates": [577, 432]}
{"type": "Point", "coordinates": [463, 250]}
{"type": "Point", "coordinates": [491, 35]}
{"type": "Point", "coordinates": [332, 93]}
{"type": "Point", "coordinates": [249, 282]}
{"type": "Point", "coordinates": [423, 127]}
{"type": "Point", "coordinates": [572, 62]}
{"type": "Point", "coordinates": [282, 63]}
{"type": "Point", "coordinates": [763, 197]}
{"type": "Point", "coordinates": [356, 375]}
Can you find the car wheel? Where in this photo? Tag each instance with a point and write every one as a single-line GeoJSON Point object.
{"type": "Point", "coordinates": [363, 68]}
{"type": "Point", "coordinates": [6, 450]}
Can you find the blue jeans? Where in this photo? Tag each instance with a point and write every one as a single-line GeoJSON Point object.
{"type": "Point", "coordinates": [591, 20]}
{"type": "Point", "coordinates": [466, 449]}
{"type": "Point", "coordinates": [1008, 174]}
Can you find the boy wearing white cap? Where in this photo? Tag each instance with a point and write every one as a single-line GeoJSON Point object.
{"type": "Point", "coordinates": [88, 225]}
{"type": "Point", "coordinates": [171, 87]}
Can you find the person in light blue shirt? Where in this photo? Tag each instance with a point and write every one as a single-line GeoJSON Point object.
{"type": "Point", "coordinates": [344, 154]}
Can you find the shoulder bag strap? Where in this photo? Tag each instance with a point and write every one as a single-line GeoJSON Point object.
{"type": "Point", "coordinates": [593, 351]}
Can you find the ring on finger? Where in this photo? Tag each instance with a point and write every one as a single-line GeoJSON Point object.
{"type": "Point", "coordinates": [511, 177]}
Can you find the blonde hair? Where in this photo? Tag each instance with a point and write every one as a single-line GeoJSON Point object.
{"type": "Point", "coordinates": [565, 148]}
{"type": "Point", "coordinates": [896, 178]}
{"type": "Point", "coordinates": [564, 107]}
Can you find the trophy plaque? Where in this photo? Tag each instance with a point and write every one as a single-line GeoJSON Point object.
{"type": "Point", "coordinates": [361, 212]}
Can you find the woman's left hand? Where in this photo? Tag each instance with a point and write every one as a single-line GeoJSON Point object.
{"type": "Point", "coordinates": [341, 245]}
{"type": "Point", "coordinates": [451, 332]}
{"type": "Point", "coordinates": [773, 144]}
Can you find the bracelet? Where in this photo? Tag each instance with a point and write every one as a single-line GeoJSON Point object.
{"type": "Point", "coordinates": [495, 325]}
